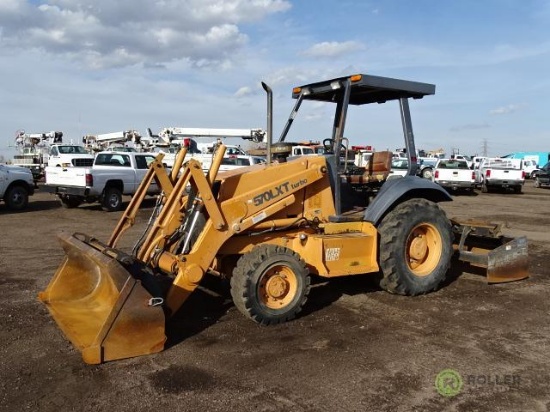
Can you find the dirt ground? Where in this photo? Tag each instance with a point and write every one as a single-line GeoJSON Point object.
{"type": "Point", "coordinates": [355, 347]}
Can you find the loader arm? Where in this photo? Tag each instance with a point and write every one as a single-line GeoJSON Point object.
{"type": "Point", "coordinates": [155, 172]}
{"type": "Point", "coordinates": [231, 216]}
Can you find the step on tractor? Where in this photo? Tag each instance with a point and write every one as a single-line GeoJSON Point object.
{"type": "Point", "coordinates": [269, 228]}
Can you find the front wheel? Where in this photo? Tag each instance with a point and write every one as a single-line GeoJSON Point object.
{"type": "Point", "coordinates": [415, 248]}
{"type": "Point", "coordinates": [537, 182]}
{"type": "Point", "coordinates": [112, 200]}
{"type": "Point", "coordinates": [17, 198]}
{"type": "Point", "coordinates": [270, 284]}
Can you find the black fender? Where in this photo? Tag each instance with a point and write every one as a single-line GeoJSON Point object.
{"type": "Point", "coordinates": [396, 191]}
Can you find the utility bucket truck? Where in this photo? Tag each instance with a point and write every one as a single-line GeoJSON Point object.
{"type": "Point", "coordinates": [170, 140]}
{"type": "Point", "coordinates": [268, 228]}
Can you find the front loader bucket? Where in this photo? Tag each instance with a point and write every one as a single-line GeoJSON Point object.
{"type": "Point", "coordinates": [480, 243]}
{"type": "Point", "coordinates": [101, 308]}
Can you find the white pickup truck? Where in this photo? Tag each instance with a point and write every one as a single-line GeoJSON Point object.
{"type": "Point", "coordinates": [112, 175]}
{"type": "Point", "coordinates": [205, 156]}
{"type": "Point", "coordinates": [500, 173]}
{"type": "Point", "coordinates": [69, 155]}
{"type": "Point", "coordinates": [237, 161]}
{"type": "Point", "coordinates": [454, 174]}
{"type": "Point", "coordinates": [16, 185]}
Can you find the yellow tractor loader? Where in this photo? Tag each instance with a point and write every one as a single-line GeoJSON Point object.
{"type": "Point", "coordinates": [269, 228]}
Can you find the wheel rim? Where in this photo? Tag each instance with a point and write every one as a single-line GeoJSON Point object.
{"type": "Point", "coordinates": [428, 174]}
{"type": "Point", "coordinates": [113, 200]}
{"type": "Point", "coordinates": [278, 287]}
{"type": "Point", "coordinates": [17, 198]}
{"type": "Point", "coordinates": [424, 249]}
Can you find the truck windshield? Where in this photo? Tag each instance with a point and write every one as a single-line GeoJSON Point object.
{"type": "Point", "coordinates": [72, 150]}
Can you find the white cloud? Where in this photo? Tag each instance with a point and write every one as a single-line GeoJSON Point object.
{"type": "Point", "coordinates": [243, 92]}
{"type": "Point", "coordinates": [511, 108]}
{"type": "Point", "coordinates": [106, 33]}
{"type": "Point", "coordinates": [332, 49]}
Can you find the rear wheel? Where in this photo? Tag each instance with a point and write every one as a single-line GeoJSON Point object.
{"type": "Point", "coordinates": [70, 202]}
{"type": "Point", "coordinates": [112, 199]}
{"type": "Point", "coordinates": [270, 284]}
{"type": "Point", "coordinates": [415, 248]}
{"type": "Point", "coordinates": [17, 198]}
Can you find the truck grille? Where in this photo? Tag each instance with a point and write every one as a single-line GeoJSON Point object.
{"type": "Point", "coordinates": [83, 162]}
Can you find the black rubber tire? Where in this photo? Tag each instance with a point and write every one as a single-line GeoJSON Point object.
{"type": "Point", "coordinates": [250, 282]}
{"type": "Point", "coordinates": [517, 190]}
{"type": "Point", "coordinates": [69, 202]}
{"type": "Point", "coordinates": [112, 200]}
{"type": "Point", "coordinates": [415, 226]}
{"type": "Point", "coordinates": [427, 173]}
{"type": "Point", "coordinates": [17, 198]}
{"type": "Point", "coordinates": [536, 183]}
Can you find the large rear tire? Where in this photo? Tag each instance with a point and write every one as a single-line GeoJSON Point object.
{"type": "Point", "coordinates": [17, 198]}
{"type": "Point", "coordinates": [415, 248]}
{"type": "Point", "coordinates": [270, 284]}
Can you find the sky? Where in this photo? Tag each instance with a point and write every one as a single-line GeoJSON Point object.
{"type": "Point", "coordinates": [100, 66]}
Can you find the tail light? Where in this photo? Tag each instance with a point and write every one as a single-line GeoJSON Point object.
{"type": "Point", "coordinates": [436, 175]}
{"type": "Point", "coordinates": [473, 175]}
{"type": "Point", "coordinates": [89, 179]}
{"type": "Point", "coordinates": [186, 142]}
{"type": "Point", "coordinates": [488, 173]}
{"type": "Point", "coordinates": [523, 174]}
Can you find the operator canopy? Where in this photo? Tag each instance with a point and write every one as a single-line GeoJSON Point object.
{"type": "Point", "coordinates": [364, 89]}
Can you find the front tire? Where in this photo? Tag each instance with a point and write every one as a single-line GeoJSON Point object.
{"type": "Point", "coordinates": [270, 284]}
{"type": "Point", "coordinates": [427, 173]}
{"type": "Point", "coordinates": [415, 248]}
{"type": "Point", "coordinates": [537, 182]}
{"type": "Point", "coordinates": [17, 198]}
{"type": "Point", "coordinates": [112, 200]}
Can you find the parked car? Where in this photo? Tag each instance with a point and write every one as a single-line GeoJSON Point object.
{"type": "Point", "coordinates": [542, 177]}
{"type": "Point", "coordinates": [112, 175]}
{"type": "Point", "coordinates": [454, 174]}
{"type": "Point", "coordinates": [399, 167]}
{"type": "Point", "coordinates": [529, 166]}
{"type": "Point", "coordinates": [16, 185]}
{"type": "Point", "coordinates": [236, 161]}
{"type": "Point", "coordinates": [500, 173]}
{"type": "Point", "coordinates": [467, 159]}
{"type": "Point", "coordinates": [69, 155]}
